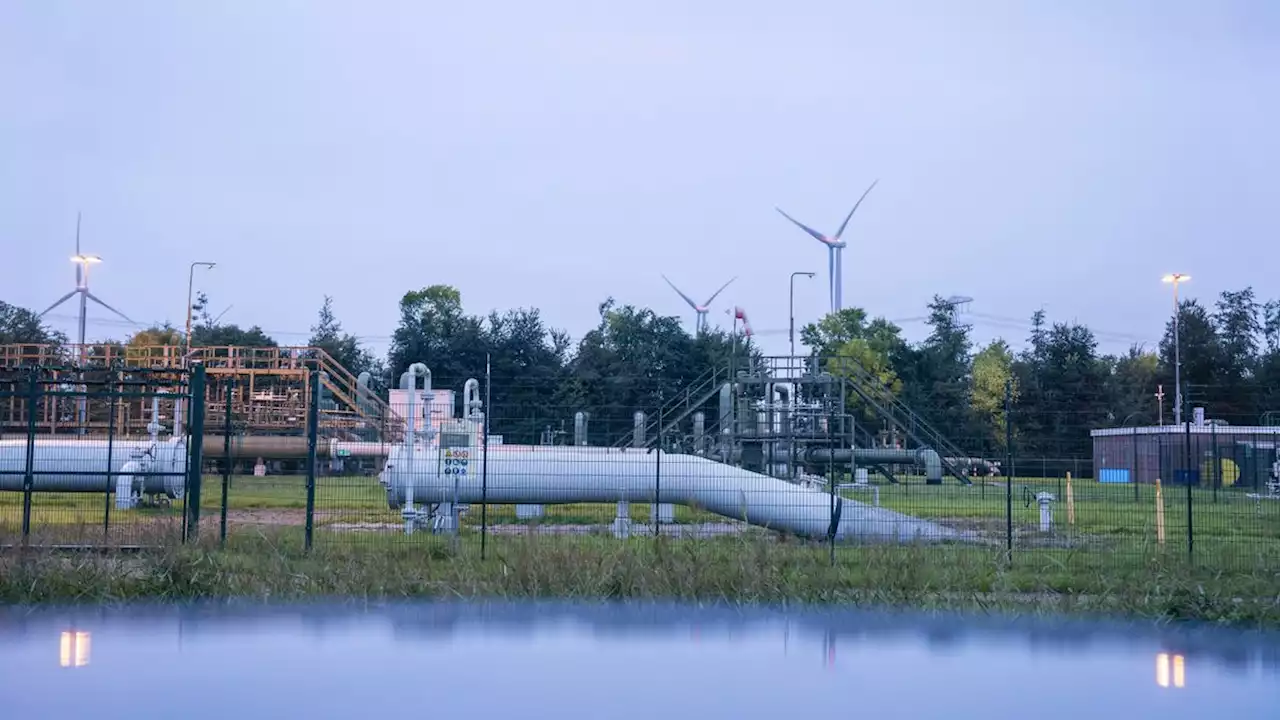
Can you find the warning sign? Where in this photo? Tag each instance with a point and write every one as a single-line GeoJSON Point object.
{"type": "Point", "coordinates": [456, 461]}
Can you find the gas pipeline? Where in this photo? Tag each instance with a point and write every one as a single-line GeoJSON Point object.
{"type": "Point", "coordinates": [431, 471]}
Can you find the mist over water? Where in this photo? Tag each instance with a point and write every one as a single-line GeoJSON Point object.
{"type": "Point", "coordinates": [617, 661]}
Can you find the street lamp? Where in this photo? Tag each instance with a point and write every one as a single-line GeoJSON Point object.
{"type": "Point", "coordinates": [791, 333]}
{"type": "Point", "coordinates": [1176, 278]}
{"type": "Point", "coordinates": [191, 276]}
{"type": "Point", "coordinates": [186, 341]}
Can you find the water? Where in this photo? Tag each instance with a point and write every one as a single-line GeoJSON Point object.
{"type": "Point", "coordinates": [657, 662]}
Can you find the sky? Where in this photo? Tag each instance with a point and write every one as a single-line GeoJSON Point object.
{"type": "Point", "coordinates": [1033, 154]}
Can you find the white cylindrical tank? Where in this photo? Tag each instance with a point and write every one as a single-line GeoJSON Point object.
{"type": "Point", "coordinates": [81, 465]}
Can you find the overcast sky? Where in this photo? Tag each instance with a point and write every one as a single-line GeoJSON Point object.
{"type": "Point", "coordinates": [1030, 154]}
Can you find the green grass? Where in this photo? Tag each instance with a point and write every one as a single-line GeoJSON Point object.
{"type": "Point", "coordinates": [270, 564]}
{"type": "Point", "coordinates": [1107, 517]}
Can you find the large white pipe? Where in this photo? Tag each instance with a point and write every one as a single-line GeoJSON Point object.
{"type": "Point", "coordinates": [409, 381]}
{"type": "Point", "coordinates": [81, 465]}
{"type": "Point", "coordinates": [552, 475]}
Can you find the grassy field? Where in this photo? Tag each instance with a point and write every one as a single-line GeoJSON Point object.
{"type": "Point", "coordinates": [1107, 560]}
{"type": "Point", "coordinates": [1232, 533]}
{"type": "Point", "coordinates": [270, 564]}
{"type": "Point", "coordinates": [1105, 516]}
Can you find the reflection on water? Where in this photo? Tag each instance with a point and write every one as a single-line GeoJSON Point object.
{"type": "Point", "coordinates": [73, 649]}
{"type": "Point", "coordinates": [1179, 670]}
{"type": "Point", "coordinates": [340, 660]}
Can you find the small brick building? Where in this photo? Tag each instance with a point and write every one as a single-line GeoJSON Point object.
{"type": "Point", "coordinates": [1221, 455]}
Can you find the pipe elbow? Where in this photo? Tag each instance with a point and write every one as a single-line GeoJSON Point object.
{"type": "Point", "coordinates": [409, 378]}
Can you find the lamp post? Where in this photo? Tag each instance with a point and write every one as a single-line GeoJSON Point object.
{"type": "Point", "coordinates": [191, 277]}
{"type": "Point", "coordinates": [1176, 278]}
{"type": "Point", "coordinates": [791, 333]}
{"type": "Point", "coordinates": [186, 341]}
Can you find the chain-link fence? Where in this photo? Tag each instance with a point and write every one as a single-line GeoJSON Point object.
{"type": "Point", "coordinates": [800, 451]}
{"type": "Point", "coordinates": [99, 457]}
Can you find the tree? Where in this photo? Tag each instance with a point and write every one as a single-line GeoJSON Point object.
{"type": "Point", "coordinates": [992, 371]}
{"type": "Point", "coordinates": [20, 326]}
{"type": "Point", "coordinates": [1131, 384]}
{"type": "Point", "coordinates": [345, 349]}
{"type": "Point", "coordinates": [156, 335]}
{"type": "Point", "coordinates": [936, 377]}
{"type": "Point", "coordinates": [434, 330]}
{"type": "Point", "coordinates": [206, 331]}
{"type": "Point", "coordinates": [1199, 348]}
{"type": "Point", "coordinates": [230, 335]}
{"type": "Point", "coordinates": [1236, 322]}
{"type": "Point", "coordinates": [1271, 325]}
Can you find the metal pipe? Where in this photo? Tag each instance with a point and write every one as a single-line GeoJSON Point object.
{"type": "Point", "coordinates": [926, 457]}
{"type": "Point", "coordinates": [557, 475]}
{"type": "Point", "coordinates": [408, 381]}
{"type": "Point", "coordinates": [580, 428]}
{"type": "Point", "coordinates": [472, 406]}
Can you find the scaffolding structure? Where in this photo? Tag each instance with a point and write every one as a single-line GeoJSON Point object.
{"type": "Point", "coordinates": [265, 389]}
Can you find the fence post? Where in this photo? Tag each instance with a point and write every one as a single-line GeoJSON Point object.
{"type": "Point", "coordinates": [831, 479]}
{"type": "Point", "coordinates": [1136, 466]}
{"type": "Point", "coordinates": [1217, 462]}
{"type": "Point", "coordinates": [111, 436]}
{"type": "Point", "coordinates": [29, 476]}
{"type": "Point", "coordinates": [657, 479]}
{"type": "Point", "coordinates": [313, 433]}
{"type": "Point", "coordinates": [1191, 473]}
{"type": "Point", "coordinates": [1008, 477]}
{"type": "Point", "coordinates": [195, 445]}
{"type": "Point", "coordinates": [484, 463]}
{"type": "Point", "coordinates": [226, 463]}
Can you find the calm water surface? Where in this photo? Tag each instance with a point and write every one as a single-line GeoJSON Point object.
{"type": "Point", "coordinates": [616, 661]}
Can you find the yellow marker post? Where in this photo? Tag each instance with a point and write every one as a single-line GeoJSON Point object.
{"type": "Point", "coordinates": [1071, 503]}
{"type": "Point", "coordinates": [1159, 514]}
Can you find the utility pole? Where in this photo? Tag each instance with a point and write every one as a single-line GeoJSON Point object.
{"type": "Point", "coordinates": [1176, 278]}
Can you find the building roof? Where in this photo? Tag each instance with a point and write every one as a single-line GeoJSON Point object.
{"type": "Point", "coordinates": [1195, 430]}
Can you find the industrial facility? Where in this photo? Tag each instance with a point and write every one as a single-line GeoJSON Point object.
{"type": "Point", "coordinates": [773, 444]}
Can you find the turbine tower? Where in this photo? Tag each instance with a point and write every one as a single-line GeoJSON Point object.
{"type": "Point", "coordinates": [700, 318]}
{"type": "Point", "coordinates": [83, 262]}
{"type": "Point", "coordinates": [835, 250]}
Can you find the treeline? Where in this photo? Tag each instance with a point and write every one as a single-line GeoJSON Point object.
{"type": "Point", "coordinates": [1058, 384]}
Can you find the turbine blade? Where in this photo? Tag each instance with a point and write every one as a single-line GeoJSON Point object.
{"type": "Point", "coordinates": [817, 235]}
{"type": "Point", "coordinates": [61, 300]}
{"type": "Point", "coordinates": [97, 300]}
{"type": "Point", "coordinates": [687, 299]}
{"type": "Point", "coordinates": [79, 267]}
{"type": "Point", "coordinates": [855, 209]}
{"type": "Point", "coordinates": [722, 287]}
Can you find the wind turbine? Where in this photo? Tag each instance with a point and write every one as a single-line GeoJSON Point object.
{"type": "Point", "coordinates": [700, 317]}
{"type": "Point", "coordinates": [835, 249]}
{"type": "Point", "coordinates": [83, 262]}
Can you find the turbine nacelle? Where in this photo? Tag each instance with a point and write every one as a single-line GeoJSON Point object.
{"type": "Point", "coordinates": [700, 309]}
{"type": "Point", "coordinates": [835, 244]}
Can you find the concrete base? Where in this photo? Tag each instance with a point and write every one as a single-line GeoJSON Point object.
{"type": "Point", "coordinates": [528, 512]}
{"type": "Point", "coordinates": [622, 523]}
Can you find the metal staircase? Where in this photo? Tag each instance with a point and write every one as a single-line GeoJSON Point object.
{"type": "Point", "coordinates": [888, 406]}
{"type": "Point", "coordinates": [695, 395]}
